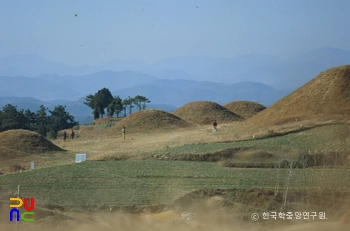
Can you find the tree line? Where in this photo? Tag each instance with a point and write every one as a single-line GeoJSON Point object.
{"type": "Point", "coordinates": [103, 99]}
{"type": "Point", "coordinates": [39, 121]}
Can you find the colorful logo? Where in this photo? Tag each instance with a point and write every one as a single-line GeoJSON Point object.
{"type": "Point", "coordinates": [28, 215]}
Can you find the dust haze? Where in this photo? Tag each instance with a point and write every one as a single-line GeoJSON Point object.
{"type": "Point", "coordinates": [202, 215]}
{"type": "Point", "coordinates": [167, 221]}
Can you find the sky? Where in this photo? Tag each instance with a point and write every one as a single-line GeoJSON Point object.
{"type": "Point", "coordinates": [84, 32]}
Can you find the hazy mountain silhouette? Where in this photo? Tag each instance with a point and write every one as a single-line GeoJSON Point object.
{"type": "Point", "coordinates": [180, 92]}
{"type": "Point", "coordinates": [28, 65]}
{"type": "Point", "coordinates": [20, 86]}
{"type": "Point", "coordinates": [271, 70]}
{"type": "Point", "coordinates": [89, 84]}
{"type": "Point", "coordinates": [171, 82]}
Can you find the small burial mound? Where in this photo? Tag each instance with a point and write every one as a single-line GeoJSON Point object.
{"type": "Point", "coordinates": [205, 112]}
{"type": "Point", "coordinates": [326, 97]}
{"type": "Point", "coordinates": [244, 108]}
{"type": "Point", "coordinates": [20, 143]}
{"type": "Point", "coordinates": [151, 119]}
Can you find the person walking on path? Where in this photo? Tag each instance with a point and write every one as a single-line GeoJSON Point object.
{"type": "Point", "coordinates": [123, 133]}
{"type": "Point", "coordinates": [214, 126]}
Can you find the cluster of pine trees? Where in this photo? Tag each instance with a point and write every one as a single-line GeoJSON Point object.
{"type": "Point", "coordinates": [59, 119]}
{"type": "Point", "coordinates": [103, 99]}
{"type": "Point", "coordinates": [40, 121]}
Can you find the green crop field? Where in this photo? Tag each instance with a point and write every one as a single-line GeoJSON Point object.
{"type": "Point", "coordinates": [318, 139]}
{"type": "Point", "coordinates": [140, 182]}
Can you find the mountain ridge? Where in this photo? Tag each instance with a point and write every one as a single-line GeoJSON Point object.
{"type": "Point", "coordinates": [269, 69]}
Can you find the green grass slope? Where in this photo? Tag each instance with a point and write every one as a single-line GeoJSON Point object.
{"type": "Point", "coordinates": [140, 182]}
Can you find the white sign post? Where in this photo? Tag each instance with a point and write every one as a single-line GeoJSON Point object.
{"type": "Point", "coordinates": [80, 157]}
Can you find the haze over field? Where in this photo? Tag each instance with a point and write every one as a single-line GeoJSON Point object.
{"type": "Point", "coordinates": [282, 44]}
{"type": "Point", "coordinates": [93, 33]}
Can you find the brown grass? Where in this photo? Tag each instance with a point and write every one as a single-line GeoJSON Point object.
{"type": "Point", "coordinates": [345, 219]}
{"type": "Point", "coordinates": [108, 143]}
{"type": "Point", "coordinates": [326, 97]}
{"type": "Point", "coordinates": [107, 119]}
{"type": "Point", "coordinates": [244, 108]}
{"type": "Point", "coordinates": [20, 143]}
{"type": "Point", "coordinates": [150, 120]}
{"type": "Point", "coordinates": [205, 112]}
{"type": "Point", "coordinates": [18, 148]}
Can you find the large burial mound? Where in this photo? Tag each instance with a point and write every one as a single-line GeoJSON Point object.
{"type": "Point", "coordinates": [246, 109]}
{"type": "Point", "coordinates": [205, 112]}
{"type": "Point", "coordinates": [151, 119]}
{"type": "Point", "coordinates": [106, 120]}
{"type": "Point", "coordinates": [20, 143]}
{"type": "Point", "coordinates": [326, 97]}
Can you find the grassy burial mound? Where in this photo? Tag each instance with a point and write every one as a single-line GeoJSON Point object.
{"type": "Point", "coordinates": [151, 120]}
{"type": "Point", "coordinates": [20, 143]}
{"type": "Point", "coordinates": [244, 108]}
{"type": "Point", "coordinates": [205, 112]}
{"type": "Point", "coordinates": [106, 120]}
{"type": "Point", "coordinates": [326, 97]}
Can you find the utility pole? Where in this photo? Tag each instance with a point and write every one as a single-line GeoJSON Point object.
{"type": "Point", "coordinates": [18, 197]}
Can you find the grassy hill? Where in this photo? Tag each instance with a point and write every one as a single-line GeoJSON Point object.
{"type": "Point", "coordinates": [20, 143]}
{"type": "Point", "coordinates": [205, 112]}
{"type": "Point", "coordinates": [151, 119]}
{"type": "Point", "coordinates": [244, 108]}
{"type": "Point", "coordinates": [326, 97]}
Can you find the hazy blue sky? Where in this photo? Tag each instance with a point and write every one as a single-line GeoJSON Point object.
{"type": "Point", "coordinates": [93, 32]}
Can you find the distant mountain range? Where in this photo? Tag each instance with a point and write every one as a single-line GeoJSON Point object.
{"type": "Point", "coordinates": [165, 94]}
{"type": "Point", "coordinates": [180, 92]}
{"type": "Point", "coordinates": [280, 73]}
{"type": "Point", "coordinates": [169, 83]}
{"type": "Point", "coordinates": [174, 92]}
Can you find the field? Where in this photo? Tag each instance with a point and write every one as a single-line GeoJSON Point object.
{"type": "Point", "coordinates": [136, 182]}
{"type": "Point", "coordinates": [131, 181]}
{"type": "Point", "coordinates": [191, 169]}
{"type": "Point", "coordinates": [315, 139]}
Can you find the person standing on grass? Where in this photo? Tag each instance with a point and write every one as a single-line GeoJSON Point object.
{"type": "Point", "coordinates": [123, 133]}
{"type": "Point", "coordinates": [214, 126]}
{"type": "Point", "coordinates": [72, 134]}
{"type": "Point", "coordinates": [64, 135]}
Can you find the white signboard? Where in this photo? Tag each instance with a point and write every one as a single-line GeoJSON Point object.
{"type": "Point", "coordinates": [80, 158]}
{"type": "Point", "coordinates": [32, 165]}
